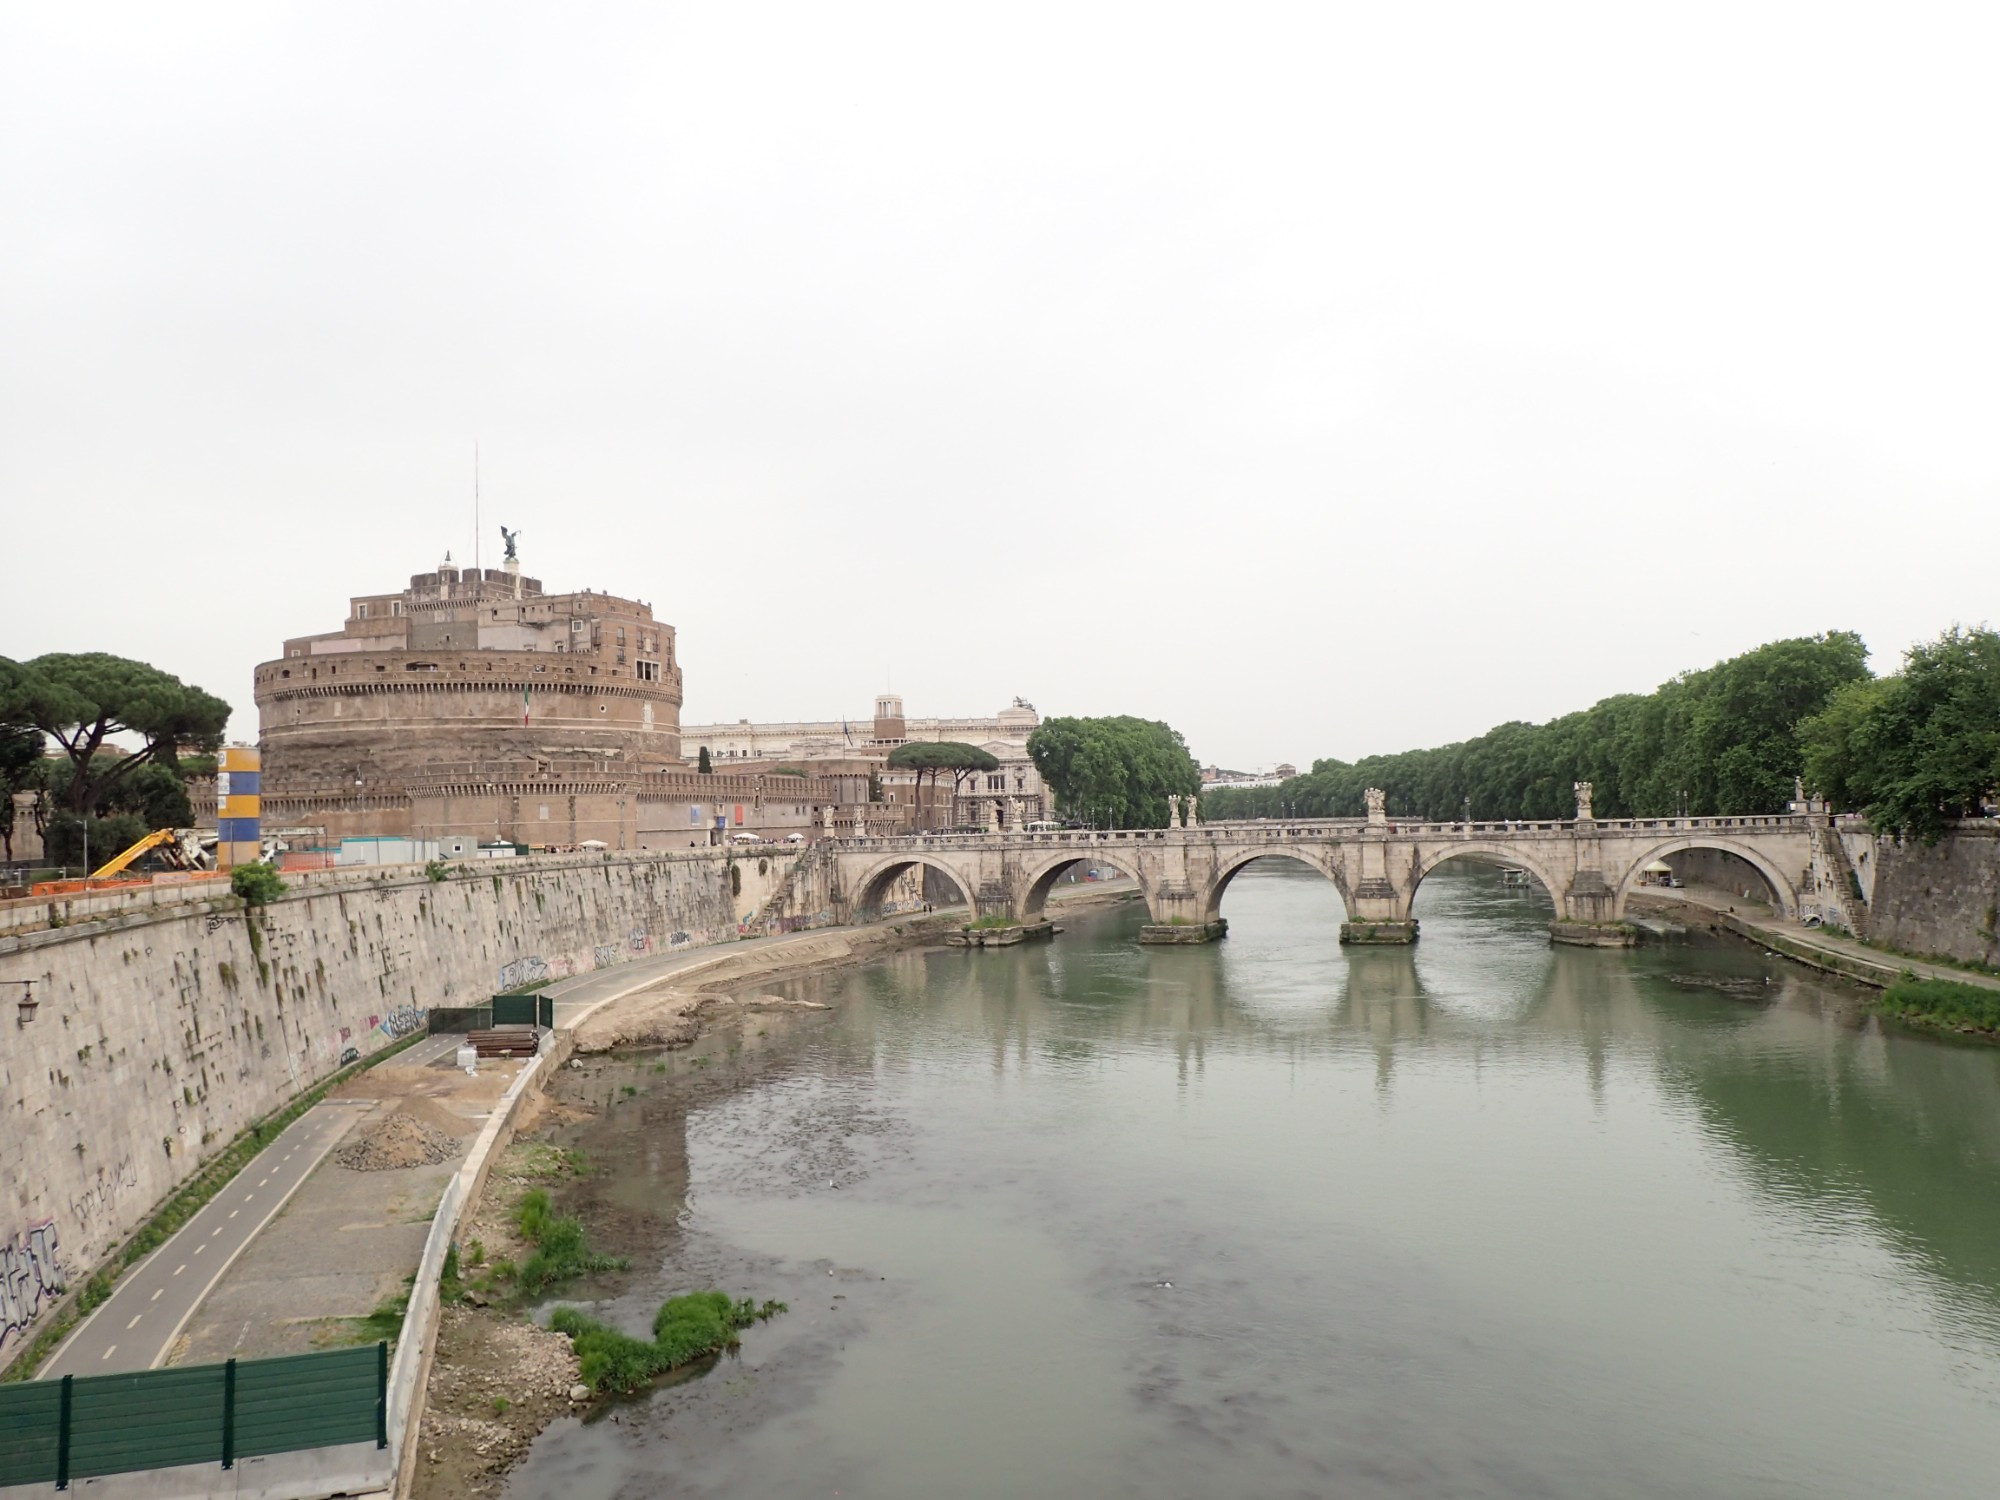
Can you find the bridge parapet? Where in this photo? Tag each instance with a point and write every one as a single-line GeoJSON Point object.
{"type": "Point", "coordinates": [1588, 866]}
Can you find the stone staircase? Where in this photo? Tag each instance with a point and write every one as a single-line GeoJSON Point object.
{"type": "Point", "coordinates": [764, 923]}
{"type": "Point", "coordinates": [1835, 882]}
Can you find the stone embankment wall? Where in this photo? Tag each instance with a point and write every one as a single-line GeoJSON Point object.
{"type": "Point", "coordinates": [159, 1034]}
{"type": "Point", "coordinates": [1942, 899]}
{"type": "Point", "coordinates": [1719, 870]}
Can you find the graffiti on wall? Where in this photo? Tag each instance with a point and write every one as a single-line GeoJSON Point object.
{"type": "Point", "coordinates": [640, 941]}
{"type": "Point", "coordinates": [604, 955]}
{"type": "Point", "coordinates": [523, 971]}
{"type": "Point", "coordinates": [403, 1020]}
{"type": "Point", "coordinates": [30, 1274]}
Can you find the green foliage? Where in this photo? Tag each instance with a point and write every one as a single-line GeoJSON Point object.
{"type": "Point", "coordinates": [1728, 739]}
{"type": "Point", "coordinates": [1918, 749]}
{"type": "Point", "coordinates": [685, 1329]}
{"type": "Point", "coordinates": [20, 764]}
{"type": "Point", "coordinates": [928, 757]}
{"type": "Point", "coordinates": [83, 700]}
{"type": "Point", "coordinates": [64, 841]}
{"type": "Point", "coordinates": [437, 870]}
{"type": "Point", "coordinates": [562, 1251]}
{"type": "Point", "coordinates": [256, 883]}
{"type": "Point", "coordinates": [1944, 1002]}
{"type": "Point", "coordinates": [704, 765]}
{"type": "Point", "coordinates": [1114, 772]}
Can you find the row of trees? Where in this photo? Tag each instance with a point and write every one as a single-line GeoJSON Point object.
{"type": "Point", "coordinates": [1114, 772]}
{"type": "Point", "coordinates": [127, 731]}
{"type": "Point", "coordinates": [1723, 740]}
{"type": "Point", "coordinates": [1913, 750]}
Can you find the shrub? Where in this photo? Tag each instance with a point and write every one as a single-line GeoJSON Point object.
{"type": "Point", "coordinates": [562, 1251]}
{"type": "Point", "coordinates": [685, 1329]}
{"type": "Point", "coordinates": [256, 883]}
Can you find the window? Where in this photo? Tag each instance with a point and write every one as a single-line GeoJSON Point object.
{"type": "Point", "coordinates": [360, 611]}
{"type": "Point", "coordinates": [996, 783]}
{"type": "Point", "coordinates": [395, 606]}
{"type": "Point", "coordinates": [649, 671]}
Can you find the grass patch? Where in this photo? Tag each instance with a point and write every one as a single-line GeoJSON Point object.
{"type": "Point", "coordinates": [562, 1250]}
{"type": "Point", "coordinates": [184, 1205]}
{"type": "Point", "coordinates": [685, 1329]}
{"type": "Point", "coordinates": [1943, 1002]}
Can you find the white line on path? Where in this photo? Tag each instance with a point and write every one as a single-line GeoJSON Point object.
{"type": "Point", "coordinates": [215, 1231]}
{"type": "Point", "coordinates": [156, 1294]}
{"type": "Point", "coordinates": [248, 1196]}
{"type": "Point", "coordinates": [134, 1323]}
{"type": "Point", "coordinates": [262, 1181]}
{"type": "Point", "coordinates": [109, 1352]}
{"type": "Point", "coordinates": [233, 1213]}
{"type": "Point", "coordinates": [201, 1247]}
{"type": "Point", "coordinates": [180, 1268]}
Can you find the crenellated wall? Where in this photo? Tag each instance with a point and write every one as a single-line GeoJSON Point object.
{"type": "Point", "coordinates": [158, 1034]}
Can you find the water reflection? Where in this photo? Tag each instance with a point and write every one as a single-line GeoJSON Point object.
{"type": "Point", "coordinates": [1269, 1217]}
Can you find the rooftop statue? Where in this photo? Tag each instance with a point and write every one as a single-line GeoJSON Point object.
{"type": "Point", "coordinates": [510, 538]}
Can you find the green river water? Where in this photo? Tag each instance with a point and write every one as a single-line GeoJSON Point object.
{"type": "Point", "coordinates": [1273, 1218]}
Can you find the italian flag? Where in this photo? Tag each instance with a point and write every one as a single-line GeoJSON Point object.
{"type": "Point", "coordinates": [524, 704]}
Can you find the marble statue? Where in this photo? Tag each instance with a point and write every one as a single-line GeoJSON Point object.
{"type": "Point", "coordinates": [1378, 804]}
{"type": "Point", "coordinates": [1582, 789]}
{"type": "Point", "coordinates": [1173, 809]}
{"type": "Point", "coordinates": [1192, 799]}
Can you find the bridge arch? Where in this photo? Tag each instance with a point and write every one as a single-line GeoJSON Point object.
{"type": "Point", "coordinates": [1507, 855]}
{"type": "Point", "coordinates": [1228, 867]}
{"type": "Point", "coordinates": [1038, 879]}
{"type": "Point", "coordinates": [875, 881]}
{"type": "Point", "coordinates": [1782, 889]}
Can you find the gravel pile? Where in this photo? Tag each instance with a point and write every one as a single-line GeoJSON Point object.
{"type": "Point", "coordinates": [399, 1141]}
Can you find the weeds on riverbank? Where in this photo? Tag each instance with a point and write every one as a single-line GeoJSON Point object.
{"type": "Point", "coordinates": [562, 1250]}
{"type": "Point", "coordinates": [1943, 1002]}
{"type": "Point", "coordinates": [685, 1329]}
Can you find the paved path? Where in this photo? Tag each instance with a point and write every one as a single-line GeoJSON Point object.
{"type": "Point", "coordinates": [1759, 919]}
{"type": "Point", "coordinates": [153, 1301]}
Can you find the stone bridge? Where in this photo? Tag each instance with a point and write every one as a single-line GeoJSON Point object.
{"type": "Point", "coordinates": [1588, 866]}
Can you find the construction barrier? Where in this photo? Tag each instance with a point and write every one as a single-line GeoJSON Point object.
{"type": "Point", "coordinates": [86, 1426]}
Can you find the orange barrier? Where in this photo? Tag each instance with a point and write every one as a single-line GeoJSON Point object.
{"type": "Point", "coordinates": [113, 883]}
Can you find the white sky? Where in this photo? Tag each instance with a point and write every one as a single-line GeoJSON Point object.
{"type": "Point", "coordinates": [1322, 379]}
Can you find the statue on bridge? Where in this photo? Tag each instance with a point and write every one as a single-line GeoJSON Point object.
{"type": "Point", "coordinates": [1174, 810]}
{"type": "Point", "coordinates": [1378, 804]}
{"type": "Point", "coordinates": [1582, 790]}
{"type": "Point", "coordinates": [1192, 799]}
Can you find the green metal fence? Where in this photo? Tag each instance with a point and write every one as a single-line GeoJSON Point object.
{"type": "Point", "coordinates": [524, 1010]}
{"type": "Point", "coordinates": [79, 1427]}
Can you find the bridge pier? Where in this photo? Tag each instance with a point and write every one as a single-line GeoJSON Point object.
{"type": "Point", "coordinates": [1179, 914]}
{"type": "Point", "coordinates": [1388, 931]}
{"type": "Point", "coordinates": [1593, 934]}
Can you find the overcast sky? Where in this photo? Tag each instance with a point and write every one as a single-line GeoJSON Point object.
{"type": "Point", "coordinates": [1322, 379]}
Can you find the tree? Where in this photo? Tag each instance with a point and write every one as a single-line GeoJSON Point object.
{"type": "Point", "coordinates": [21, 749]}
{"type": "Point", "coordinates": [1918, 749]}
{"type": "Point", "coordinates": [81, 701]}
{"type": "Point", "coordinates": [704, 766]}
{"type": "Point", "coordinates": [928, 757]}
{"type": "Point", "coordinates": [1726, 739]}
{"type": "Point", "coordinates": [1117, 772]}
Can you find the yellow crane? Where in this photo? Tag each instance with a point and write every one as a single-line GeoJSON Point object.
{"type": "Point", "coordinates": [186, 854]}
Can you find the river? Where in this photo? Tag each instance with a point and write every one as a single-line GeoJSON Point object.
{"type": "Point", "coordinates": [1273, 1218]}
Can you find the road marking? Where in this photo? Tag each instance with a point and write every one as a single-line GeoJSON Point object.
{"type": "Point", "coordinates": [180, 1268]}
{"type": "Point", "coordinates": [215, 1231]}
{"type": "Point", "coordinates": [232, 1213]}
{"type": "Point", "coordinates": [248, 1196]}
{"type": "Point", "coordinates": [199, 1248]}
{"type": "Point", "coordinates": [156, 1294]}
{"type": "Point", "coordinates": [109, 1352]}
{"type": "Point", "coordinates": [262, 1181]}
{"type": "Point", "coordinates": [134, 1323]}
